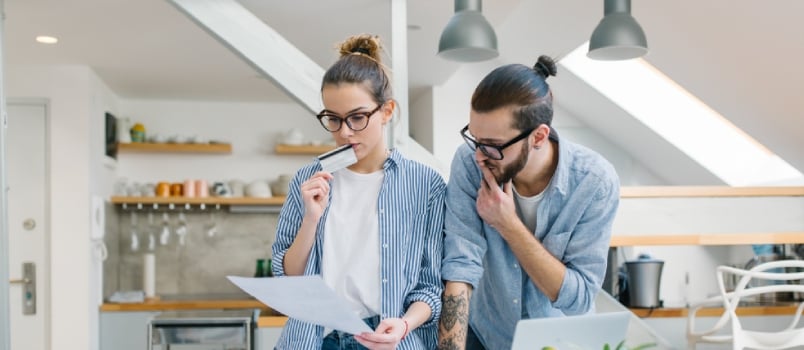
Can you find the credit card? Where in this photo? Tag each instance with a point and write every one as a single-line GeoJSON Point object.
{"type": "Point", "coordinates": [338, 158]}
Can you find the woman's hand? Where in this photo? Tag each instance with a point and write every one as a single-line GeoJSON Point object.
{"type": "Point", "coordinates": [387, 335]}
{"type": "Point", "coordinates": [315, 194]}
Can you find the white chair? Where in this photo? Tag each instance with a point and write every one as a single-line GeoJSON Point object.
{"type": "Point", "coordinates": [790, 336]}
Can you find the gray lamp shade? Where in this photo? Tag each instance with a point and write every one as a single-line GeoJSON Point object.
{"type": "Point", "coordinates": [618, 36]}
{"type": "Point", "coordinates": [468, 37]}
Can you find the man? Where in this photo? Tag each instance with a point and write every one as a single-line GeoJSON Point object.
{"type": "Point", "coordinates": [528, 218]}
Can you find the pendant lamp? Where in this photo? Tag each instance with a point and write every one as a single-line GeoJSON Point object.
{"type": "Point", "coordinates": [468, 37]}
{"type": "Point", "coordinates": [618, 36]}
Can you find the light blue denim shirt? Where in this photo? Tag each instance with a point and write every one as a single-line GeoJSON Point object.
{"type": "Point", "coordinates": [573, 223]}
{"type": "Point", "coordinates": [410, 210]}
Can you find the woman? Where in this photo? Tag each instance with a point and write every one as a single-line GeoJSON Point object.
{"type": "Point", "coordinates": [372, 230]}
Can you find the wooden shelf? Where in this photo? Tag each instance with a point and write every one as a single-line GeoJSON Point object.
{"type": "Point", "coordinates": [709, 239]}
{"type": "Point", "coordinates": [195, 201]}
{"type": "Point", "coordinates": [717, 311]}
{"type": "Point", "coordinates": [707, 191]}
{"type": "Point", "coordinates": [218, 148]}
{"type": "Point", "coordinates": [302, 149]}
{"type": "Point", "coordinates": [162, 305]}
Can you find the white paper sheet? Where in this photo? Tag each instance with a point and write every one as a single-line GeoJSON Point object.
{"type": "Point", "coordinates": [305, 298]}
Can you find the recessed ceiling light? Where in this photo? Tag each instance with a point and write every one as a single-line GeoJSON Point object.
{"type": "Point", "coordinates": [44, 39]}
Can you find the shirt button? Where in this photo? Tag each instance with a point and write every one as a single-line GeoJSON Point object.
{"type": "Point", "coordinates": [382, 211]}
{"type": "Point", "coordinates": [516, 266]}
{"type": "Point", "coordinates": [516, 301]}
{"type": "Point", "coordinates": [385, 245]}
{"type": "Point", "coordinates": [384, 280]}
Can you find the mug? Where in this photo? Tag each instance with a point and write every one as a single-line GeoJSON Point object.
{"type": "Point", "coordinates": [220, 189]}
{"type": "Point", "coordinates": [189, 188]}
{"type": "Point", "coordinates": [163, 189]}
{"type": "Point", "coordinates": [176, 189]}
{"type": "Point", "coordinates": [201, 188]}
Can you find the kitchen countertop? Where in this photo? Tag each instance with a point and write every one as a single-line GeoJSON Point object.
{"type": "Point", "coordinates": [268, 318]}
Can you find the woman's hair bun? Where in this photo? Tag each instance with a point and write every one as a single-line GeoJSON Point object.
{"type": "Point", "coordinates": [545, 66]}
{"type": "Point", "coordinates": [365, 44]}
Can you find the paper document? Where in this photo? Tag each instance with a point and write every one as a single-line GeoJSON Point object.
{"type": "Point", "coordinates": [305, 298]}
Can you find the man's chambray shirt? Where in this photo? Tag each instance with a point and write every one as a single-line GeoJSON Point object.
{"type": "Point", "coordinates": [573, 223]}
{"type": "Point", "coordinates": [410, 209]}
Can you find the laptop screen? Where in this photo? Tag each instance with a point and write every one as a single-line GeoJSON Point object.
{"type": "Point", "coordinates": [582, 332]}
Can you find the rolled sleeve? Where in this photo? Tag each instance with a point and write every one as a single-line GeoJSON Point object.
{"type": "Point", "coordinates": [290, 218]}
{"type": "Point", "coordinates": [586, 252]}
{"type": "Point", "coordinates": [464, 240]}
{"type": "Point", "coordinates": [430, 286]}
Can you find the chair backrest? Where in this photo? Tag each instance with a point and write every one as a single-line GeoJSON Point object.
{"type": "Point", "coordinates": [784, 276]}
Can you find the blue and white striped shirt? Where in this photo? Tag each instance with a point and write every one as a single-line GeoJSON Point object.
{"type": "Point", "coordinates": [410, 210]}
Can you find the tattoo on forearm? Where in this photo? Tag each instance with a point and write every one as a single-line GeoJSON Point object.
{"type": "Point", "coordinates": [455, 310]}
{"type": "Point", "coordinates": [449, 343]}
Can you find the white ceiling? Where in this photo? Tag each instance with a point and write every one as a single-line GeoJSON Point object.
{"type": "Point", "coordinates": [741, 57]}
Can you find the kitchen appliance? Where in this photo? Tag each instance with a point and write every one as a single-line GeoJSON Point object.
{"type": "Point", "coordinates": [644, 280]}
{"type": "Point", "coordinates": [203, 330]}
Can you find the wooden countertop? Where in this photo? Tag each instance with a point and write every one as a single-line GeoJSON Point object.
{"type": "Point", "coordinates": [717, 311]}
{"type": "Point", "coordinates": [268, 318]}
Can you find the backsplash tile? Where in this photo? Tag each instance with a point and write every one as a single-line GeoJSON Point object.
{"type": "Point", "coordinates": [201, 265]}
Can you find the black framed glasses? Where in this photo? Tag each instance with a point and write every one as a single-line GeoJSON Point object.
{"type": "Point", "coordinates": [494, 152]}
{"type": "Point", "coordinates": [356, 121]}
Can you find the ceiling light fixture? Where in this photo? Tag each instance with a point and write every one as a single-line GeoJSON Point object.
{"type": "Point", "coordinates": [618, 36]}
{"type": "Point", "coordinates": [44, 39]}
{"type": "Point", "coordinates": [468, 37]}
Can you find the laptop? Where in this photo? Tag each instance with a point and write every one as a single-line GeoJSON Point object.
{"type": "Point", "coordinates": [582, 332]}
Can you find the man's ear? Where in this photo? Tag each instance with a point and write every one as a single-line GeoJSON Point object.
{"type": "Point", "coordinates": [540, 135]}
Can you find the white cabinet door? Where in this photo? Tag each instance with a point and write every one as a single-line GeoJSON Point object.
{"type": "Point", "coordinates": [124, 330]}
{"type": "Point", "coordinates": [265, 338]}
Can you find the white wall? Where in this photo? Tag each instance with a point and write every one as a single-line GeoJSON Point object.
{"type": "Point", "coordinates": [420, 127]}
{"type": "Point", "coordinates": [68, 88]}
{"type": "Point", "coordinates": [251, 128]}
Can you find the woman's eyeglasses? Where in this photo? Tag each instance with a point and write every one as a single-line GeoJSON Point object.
{"type": "Point", "coordinates": [494, 152]}
{"type": "Point", "coordinates": [356, 121]}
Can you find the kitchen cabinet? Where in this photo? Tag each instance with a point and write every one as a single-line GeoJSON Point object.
{"type": "Point", "coordinates": [265, 338]}
{"type": "Point", "coordinates": [302, 149]}
{"type": "Point", "coordinates": [709, 215]}
{"type": "Point", "coordinates": [143, 147]}
{"type": "Point", "coordinates": [125, 330]}
{"type": "Point", "coordinates": [686, 218]}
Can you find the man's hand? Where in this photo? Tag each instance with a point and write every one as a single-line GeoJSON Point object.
{"type": "Point", "coordinates": [495, 205]}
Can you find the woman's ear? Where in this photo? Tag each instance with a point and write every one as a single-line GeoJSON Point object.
{"type": "Point", "coordinates": [388, 111]}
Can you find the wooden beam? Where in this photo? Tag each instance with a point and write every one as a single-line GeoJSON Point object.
{"type": "Point", "coordinates": [260, 46]}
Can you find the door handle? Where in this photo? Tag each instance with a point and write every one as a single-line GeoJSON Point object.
{"type": "Point", "coordinates": [28, 282]}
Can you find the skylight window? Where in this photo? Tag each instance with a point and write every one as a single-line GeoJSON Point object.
{"type": "Point", "coordinates": [682, 119]}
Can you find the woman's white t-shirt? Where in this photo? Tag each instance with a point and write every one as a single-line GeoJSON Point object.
{"type": "Point", "coordinates": [351, 261]}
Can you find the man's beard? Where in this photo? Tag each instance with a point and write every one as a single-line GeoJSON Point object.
{"type": "Point", "coordinates": [510, 170]}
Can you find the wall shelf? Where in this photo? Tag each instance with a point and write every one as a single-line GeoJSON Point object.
{"type": "Point", "coordinates": [709, 239]}
{"type": "Point", "coordinates": [770, 310]}
{"type": "Point", "coordinates": [302, 149]}
{"type": "Point", "coordinates": [196, 201]}
{"type": "Point", "coordinates": [219, 148]}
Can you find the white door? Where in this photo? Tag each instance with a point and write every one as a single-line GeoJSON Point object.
{"type": "Point", "coordinates": [27, 223]}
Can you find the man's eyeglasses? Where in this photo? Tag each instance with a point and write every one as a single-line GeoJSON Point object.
{"type": "Point", "coordinates": [356, 121]}
{"type": "Point", "coordinates": [494, 152]}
